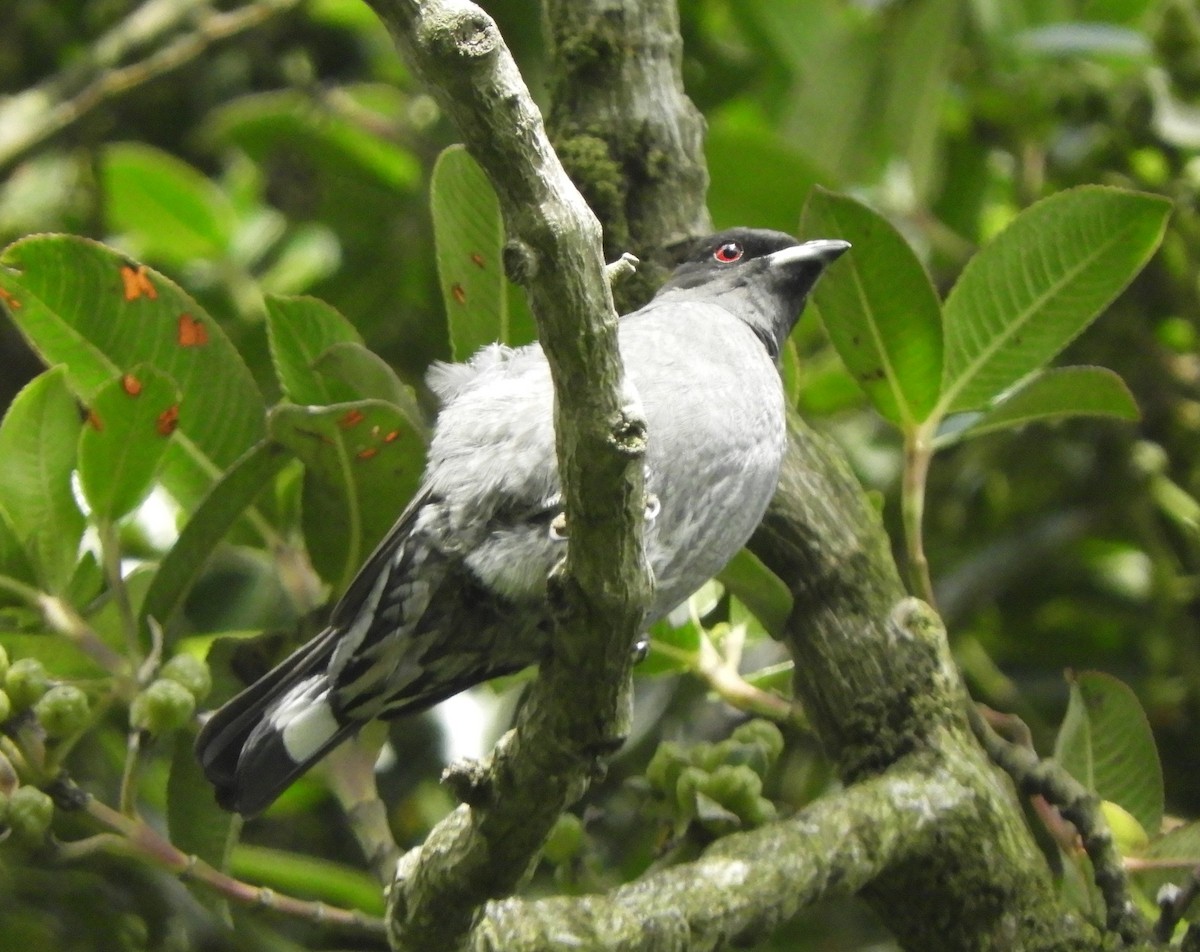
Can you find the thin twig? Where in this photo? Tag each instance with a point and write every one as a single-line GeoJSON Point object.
{"type": "Point", "coordinates": [142, 839]}
{"type": "Point", "coordinates": [40, 114]}
{"type": "Point", "coordinates": [1081, 807]}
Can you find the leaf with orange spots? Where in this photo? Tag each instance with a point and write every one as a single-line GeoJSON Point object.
{"type": "Point", "coordinates": [300, 329]}
{"type": "Point", "coordinates": [119, 460]}
{"type": "Point", "coordinates": [192, 333]}
{"type": "Point", "coordinates": [136, 283]}
{"type": "Point", "coordinates": [74, 312]}
{"type": "Point", "coordinates": [356, 479]}
{"type": "Point", "coordinates": [370, 377]}
{"type": "Point", "coordinates": [468, 231]}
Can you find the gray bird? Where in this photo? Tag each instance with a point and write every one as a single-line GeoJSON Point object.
{"type": "Point", "coordinates": [456, 592]}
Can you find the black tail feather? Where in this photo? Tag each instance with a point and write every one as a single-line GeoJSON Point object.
{"type": "Point", "coordinates": [249, 784]}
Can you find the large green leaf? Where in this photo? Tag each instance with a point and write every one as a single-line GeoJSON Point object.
{"type": "Point", "coordinates": [167, 209]}
{"type": "Point", "coordinates": [301, 329]}
{"type": "Point", "coordinates": [734, 197]}
{"type": "Point", "coordinates": [1024, 297]}
{"type": "Point", "coordinates": [371, 378]}
{"type": "Point", "coordinates": [325, 143]}
{"type": "Point", "coordinates": [305, 876]}
{"type": "Point", "coordinates": [1105, 743]}
{"type": "Point", "coordinates": [880, 308]}
{"type": "Point", "coordinates": [1053, 395]}
{"type": "Point", "coordinates": [99, 314]}
{"type": "Point", "coordinates": [363, 461]}
{"type": "Point", "coordinates": [914, 71]}
{"type": "Point", "coordinates": [130, 425]}
{"type": "Point", "coordinates": [38, 439]}
{"type": "Point", "coordinates": [14, 558]}
{"type": "Point", "coordinates": [469, 232]}
{"type": "Point", "coordinates": [196, 825]}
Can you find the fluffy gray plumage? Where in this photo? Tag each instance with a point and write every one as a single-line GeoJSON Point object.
{"type": "Point", "coordinates": [456, 593]}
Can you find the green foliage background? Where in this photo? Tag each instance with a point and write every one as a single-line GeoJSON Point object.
{"type": "Point", "coordinates": [297, 157]}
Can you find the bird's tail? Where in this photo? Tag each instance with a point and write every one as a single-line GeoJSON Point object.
{"type": "Point", "coordinates": [253, 747]}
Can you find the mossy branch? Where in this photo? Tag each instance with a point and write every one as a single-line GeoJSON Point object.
{"type": "Point", "coordinates": [484, 849]}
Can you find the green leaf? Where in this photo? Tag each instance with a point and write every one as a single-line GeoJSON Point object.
{"type": "Point", "coordinates": [1181, 848]}
{"type": "Point", "coordinates": [87, 307]}
{"type": "Point", "coordinates": [469, 232]}
{"type": "Point", "coordinates": [38, 438]}
{"type": "Point", "coordinates": [1105, 743]}
{"type": "Point", "coordinates": [300, 330]}
{"type": "Point", "coordinates": [214, 516]}
{"type": "Point", "coordinates": [770, 201]}
{"type": "Point", "coordinates": [673, 648]}
{"type": "Point", "coordinates": [293, 874]}
{"type": "Point", "coordinates": [309, 254]}
{"type": "Point", "coordinates": [1052, 395]}
{"type": "Point", "coordinates": [14, 558]}
{"type": "Point", "coordinates": [195, 823]}
{"type": "Point", "coordinates": [362, 463]}
{"type": "Point", "coordinates": [324, 143]}
{"type": "Point", "coordinates": [759, 589]}
{"type": "Point", "coordinates": [371, 378]}
{"type": "Point", "coordinates": [167, 209]}
{"type": "Point", "coordinates": [130, 425]}
{"type": "Point", "coordinates": [914, 72]}
{"type": "Point", "coordinates": [1025, 296]}
{"type": "Point", "coordinates": [879, 309]}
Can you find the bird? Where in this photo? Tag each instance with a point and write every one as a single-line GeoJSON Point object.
{"type": "Point", "coordinates": [456, 592]}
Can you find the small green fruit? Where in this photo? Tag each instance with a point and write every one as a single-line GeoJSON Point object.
{"type": "Point", "coordinates": [25, 682]}
{"type": "Point", "coordinates": [163, 707]}
{"type": "Point", "coordinates": [3, 663]}
{"type": "Point", "coordinates": [191, 672]}
{"type": "Point", "coordinates": [29, 814]}
{"type": "Point", "coordinates": [63, 710]}
{"type": "Point", "coordinates": [565, 840]}
{"type": "Point", "coordinates": [5, 707]}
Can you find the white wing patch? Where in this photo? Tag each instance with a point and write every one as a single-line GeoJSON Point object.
{"type": "Point", "coordinates": [304, 719]}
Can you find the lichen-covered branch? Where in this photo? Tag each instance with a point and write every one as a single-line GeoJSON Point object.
{"type": "Point", "coordinates": [747, 883]}
{"type": "Point", "coordinates": [483, 849]}
{"type": "Point", "coordinates": [628, 134]}
{"type": "Point", "coordinates": [877, 696]}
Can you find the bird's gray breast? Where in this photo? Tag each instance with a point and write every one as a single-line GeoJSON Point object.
{"type": "Point", "coordinates": [716, 433]}
{"type": "Point", "coordinates": [715, 427]}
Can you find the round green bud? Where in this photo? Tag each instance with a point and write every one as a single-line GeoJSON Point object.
{"type": "Point", "coordinates": [6, 706]}
{"type": "Point", "coordinates": [163, 707]}
{"type": "Point", "coordinates": [3, 663]}
{"type": "Point", "coordinates": [29, 813]}
{"type": "Point", "coordinates": [63, 710]}
{"type": "Point", "coordinates": [763, 734]}
{"type": "Point", "coordinates": [191, 672]}
{"type": "Point", "coordinates": [664, 768]}
{"type": "Point", "coordinates": [25, 682]}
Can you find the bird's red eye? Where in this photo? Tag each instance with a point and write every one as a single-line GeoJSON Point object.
{"type": "Point", "coordinates": [728, 253]}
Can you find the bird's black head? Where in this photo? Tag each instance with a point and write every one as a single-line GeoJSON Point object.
{"type": "Point", "coordinates": [760, 276]}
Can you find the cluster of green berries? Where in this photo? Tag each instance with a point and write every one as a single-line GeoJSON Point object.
{"type": "Point", "coordinates": [719, 785]}
{"type": "Point", "coordinates": [63, 710]}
